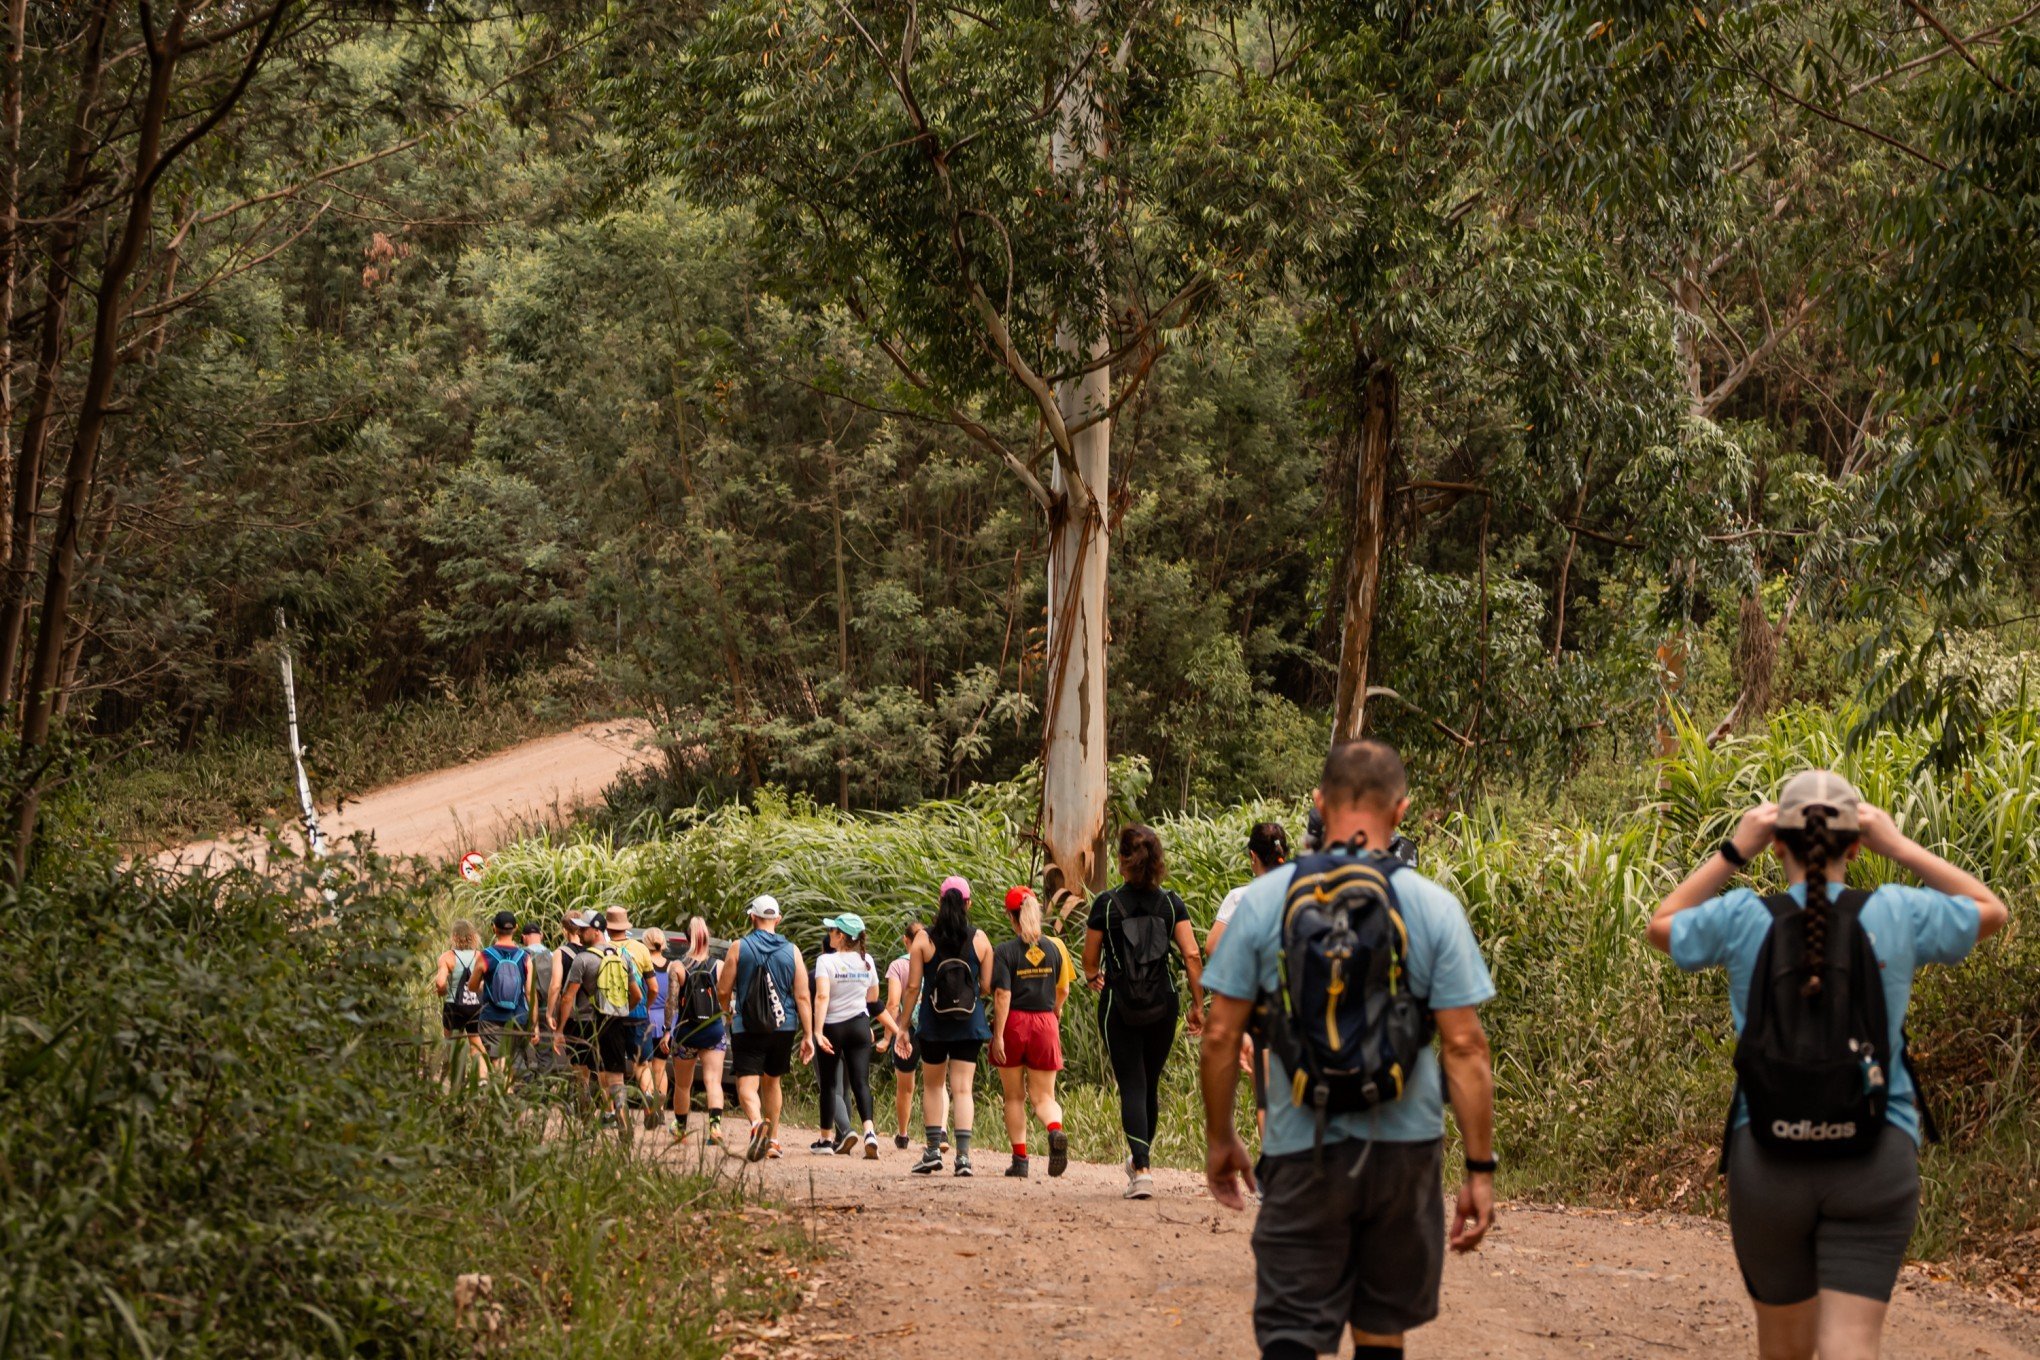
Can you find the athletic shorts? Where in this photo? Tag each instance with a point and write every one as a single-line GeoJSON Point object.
{"type": "Point", "coordinates": [613, 1043]}
{"type": "Point", "coordinates": [1333, 1250]}
{"type": "Point", "coordinates": [460, 1019]}
{"type": "Point", "coordinates": [1033, 1041]}
{"type": "Point", "coordinates": [763, 1055]}
{"type": "Point", "coordinates": [647, 1042]}
{"type": "Point", "coordinates": [912, 1064]}
{"type": "Point", "coordinates": [504, 1038]}
{"type": "Point", "coordinates": [712, 1037]}
{"type": "Point", "coordinates": [1804, 1224]}
{"type": "Point", "coordinates": [948, 1050]}
{"type": "Point", "coordinates": [580, 1040]}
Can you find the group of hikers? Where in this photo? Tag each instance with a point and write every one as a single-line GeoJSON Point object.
{"type": "Point", "coordinates": [1327, 977]}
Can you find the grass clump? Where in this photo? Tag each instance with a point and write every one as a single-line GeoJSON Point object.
{"type": "Point", "coordinates": [221, 1135]}
{"type": "Point", "coordinates": [1612, 1066]}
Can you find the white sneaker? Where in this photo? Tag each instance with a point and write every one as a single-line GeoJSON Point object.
{"type": "Point", "coordinates": [1139, 1184]}
{"type": "Point", "coordinates": [870, 1147]}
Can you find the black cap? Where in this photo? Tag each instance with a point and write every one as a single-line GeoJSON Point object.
{"type": "Point", "coordinates": [532, 928]}
{"type": "Point", "coordinates": [506, 921]}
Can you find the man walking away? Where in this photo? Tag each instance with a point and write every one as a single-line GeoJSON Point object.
{"type": "Point", "coordinates": [764, 984]}
{"type": "Point", "coordinates": [1351, 1231]}
{"type": "Point", "coordinates": [506, 997]}
{"type": "Point", "coordinates": [538, 1053]}
{"type": "Point", "coordinates": [602, 987]}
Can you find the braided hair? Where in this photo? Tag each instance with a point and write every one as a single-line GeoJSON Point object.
{"type": "Point", "coordinates": [1816, 846]}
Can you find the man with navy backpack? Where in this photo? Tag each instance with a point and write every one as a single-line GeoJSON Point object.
{"type": "Point", "coordinates": [1346, 963]}
{"type": "Point", "coordinates": [507, 992]}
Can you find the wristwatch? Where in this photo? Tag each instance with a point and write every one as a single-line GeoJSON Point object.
{"type": "Point", "coordinates": [1477, 1164]}
{"type": "Point", "coordinates": [1731, 852]}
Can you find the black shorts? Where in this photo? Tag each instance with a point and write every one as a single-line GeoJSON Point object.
{"type": "Point", "coordinates": [762, 1055]}
{"type": "Point", "coordinates": [949, 1050]}
{"type": "Point", "coordinates": [1332, 1250]}
{"type": "Point", "coordinates": [504, 1039]}
{"type": "Point", "coordinates": [600, 1045]}
{"type": "Point", "coordinates": [457, 1019]}
{"type": "Point", "coordinates": [1802, 1224]}
{"type": "Point", "coordinates": [912, 1064]}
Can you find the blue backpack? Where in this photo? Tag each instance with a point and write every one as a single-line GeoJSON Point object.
{"type": "Point", "coordinates": [503, 993]}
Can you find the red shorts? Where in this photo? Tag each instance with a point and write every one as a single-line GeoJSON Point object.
{"type": "Point", "coordinates": [1033, 1041]}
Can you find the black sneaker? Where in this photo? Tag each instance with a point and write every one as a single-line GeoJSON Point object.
{"type": "Point", "coordinates": [1058, 1152]}
{"type": "Point", "coordinates": [900, 1141]}
{"type": "Point", "coordinates": [963, 1164]}
{"type": "Point", "coordinates": [1018, 1171]}
{"type": "Point", "coordinates": [930, 1163]}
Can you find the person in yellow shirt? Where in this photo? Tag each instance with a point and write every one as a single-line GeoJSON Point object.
{"type": "Point", "coordinates": [1031, 977]}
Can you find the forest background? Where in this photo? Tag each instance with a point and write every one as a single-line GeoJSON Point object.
{"type": "Point", "coordinates": [1595, 399]}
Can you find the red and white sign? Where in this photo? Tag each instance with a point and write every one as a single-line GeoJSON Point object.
{"type": "Point", "coordinates": [471, 866]}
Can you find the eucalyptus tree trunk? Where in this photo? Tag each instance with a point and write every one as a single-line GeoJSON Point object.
{"type": "Point", "coordinates": [1073, 745]}
{"type": "Point", "coordinates": [1370, 440]}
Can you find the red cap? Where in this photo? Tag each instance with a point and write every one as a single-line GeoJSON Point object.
{"type": "Point", "coordinates": [1015, 896]}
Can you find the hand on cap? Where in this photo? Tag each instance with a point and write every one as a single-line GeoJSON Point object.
{"type": "Point", "coordinates": [1880, 835]}
{"type": "Point", "coordinates": [1756, 831]}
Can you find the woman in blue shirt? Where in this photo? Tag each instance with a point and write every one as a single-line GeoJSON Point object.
{"type": "Point", "coordinates": [1820, 1242]}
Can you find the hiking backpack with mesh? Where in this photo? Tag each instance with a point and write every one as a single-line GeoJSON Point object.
{"type": "Point", "coordinates": [1343, 1020]}
{"type": "Point", "coordinates": [612, 982]}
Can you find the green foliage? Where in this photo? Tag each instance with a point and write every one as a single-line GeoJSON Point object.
{"type": "Point", "coordinates": [224, 1137]}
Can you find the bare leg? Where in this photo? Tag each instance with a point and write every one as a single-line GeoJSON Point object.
{"type": "Point", "coordinates": [1012, 1089]}
{"type": "Point", "coordinates": [747, 1096]}
{"type": "Point", "coordinates": [683, 1090]}
{"type": "Point", "coordinates": [935, 1094]}
{"type": "Point", "coordinates": [903, 1101]}
{"type": "Point", "coordinates": [771, 1096]}
{"type": "Point", "coordinates": [1851, 1326]}
{"type": "Point", "coordinates": [711, 1079]}
{"type": "Point", "coordinates": [1041, 1094]}
{"type": "Point", "coordinates": [962, 1100]}
{"type": "Point", "coordinates": [1789, 1332]}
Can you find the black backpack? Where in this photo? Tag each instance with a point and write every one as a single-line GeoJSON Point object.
{"type": "Point", "coordinates": [761, 1008]}
{"type": "Point", "coordinates": [1814, 1070]}
{"type": "Point", "coordinates": [698, 1004]}
{"type": "Point", "coordinates": [954, 987]}
{"type": "Point", "coordinates": [1137, 948]}
{"type": "Point", "coordinates": [1344, 1021]}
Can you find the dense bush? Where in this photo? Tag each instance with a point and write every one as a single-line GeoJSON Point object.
{"type": "Point", "coordinates": [221, 1135]}
{"type": "Point", "coordinates": [1612, 1066]}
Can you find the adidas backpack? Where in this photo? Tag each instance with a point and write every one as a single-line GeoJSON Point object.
{"type": "Point", "coordinates": [1343, 1020]}
{"type": "Point", "coordinates": [1814, 1070]}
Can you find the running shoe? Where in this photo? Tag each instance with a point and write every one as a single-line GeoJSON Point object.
{"type": "Point", "coordinates": [822, 1149]}
{"type": "Point", "coordinates": [652, 1118]}
{"type": "Point", "coordinates": [776, 1151]}
{"type": "Point", "coordinates": [761, 1140]}
{"type": "Point", "coordinates": [930, 1163]}
{"type": "Point", "coordinates": [1018, 1170]}
{"type": "Point", "coordinates": [1139, 1184]}
{"type": "Point", "coordinates": [870, 1147]}
{"type": "Point", "coordinates": [822, 1144]}
{"type": "Point", "coordinates": [1058, 1152]}
{"type": "Point", "coordinates": [847, 1144]}
{"type": "Point", "coordinates": [945, 1142]}
{"type": "Point", "coordinates": [963, 1164]}
{"type": "Point", "coordinates": [901, 1141]}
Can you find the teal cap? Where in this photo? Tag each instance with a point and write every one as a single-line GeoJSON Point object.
{"type": "Point", "coordinates": [850, 923]}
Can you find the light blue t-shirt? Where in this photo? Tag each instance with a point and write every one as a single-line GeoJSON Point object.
{"type": "Point", "coordinates": [1445, 967]}
{"type": "Point", "coordinates": [1908, 928]}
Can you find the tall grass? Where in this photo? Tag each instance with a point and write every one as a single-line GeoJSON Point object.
{"type": "Point", "coordinates": [221, 1135]}
{"type": "Point", "coordinates": [1612, 1066]}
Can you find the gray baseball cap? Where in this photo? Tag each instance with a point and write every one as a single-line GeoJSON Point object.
{"type": "Point", "coordinates": [1821, 789]}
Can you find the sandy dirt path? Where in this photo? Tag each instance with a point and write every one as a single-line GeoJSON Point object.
{"type": "Point", "coordinates": [1067, 1268]}
{"type": "Point", "coordinates": [478, 806]}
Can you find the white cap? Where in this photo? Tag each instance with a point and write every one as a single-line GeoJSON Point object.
{"type": "Point", "coordinates": [764, 906]}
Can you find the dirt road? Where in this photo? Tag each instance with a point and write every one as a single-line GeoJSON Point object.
{"type": "Point", "coordinates": [1066, 1267]}
{"type": "Point", "coordinates": [477, 806]}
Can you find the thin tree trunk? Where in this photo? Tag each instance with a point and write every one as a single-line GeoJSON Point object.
{"type": "Point", "coordinates": [842, 616]}
{"type": "Point", "coordinates": [58, 269]}
{"type": "Point", "coordinates": [81, 472]}
{"type": "Point", "coordinates": [1073, 774]}
{"type": "Point", "coordinates": [1371, 433]}
{"type": "Point", "coordinates": [1572, 547]}
{"type": "Point", "coordinates": [10, 222]}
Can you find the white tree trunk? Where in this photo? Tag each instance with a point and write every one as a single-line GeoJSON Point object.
{"type": "Point", "coordinates": [1073, 757]}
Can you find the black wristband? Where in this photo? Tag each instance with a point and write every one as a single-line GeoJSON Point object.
{"type": "Point", "coordinates": [1730, 852]}
{"type": "Point", "coordinates": [1473, 1164]}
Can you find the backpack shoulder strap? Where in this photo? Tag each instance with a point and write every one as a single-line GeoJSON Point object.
{"type": "Point", "coordinates": [1782, 905]}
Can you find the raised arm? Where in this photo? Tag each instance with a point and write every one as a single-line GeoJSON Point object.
{"type": "Point", "coordinates": [1753, 836]}
{"type": "Point", "coordinates": [1881, 836]}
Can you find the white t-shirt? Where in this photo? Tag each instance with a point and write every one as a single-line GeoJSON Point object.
{"type": "Point", "coordinates": [851, 977]}
{"type": "Point", "coordinates": [1229, 906]}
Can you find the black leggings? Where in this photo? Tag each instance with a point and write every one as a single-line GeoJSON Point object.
{"type": "Point", "coordinates": [852, 1059]}
{"type": "Point", "coordinates": [1137, 1054]}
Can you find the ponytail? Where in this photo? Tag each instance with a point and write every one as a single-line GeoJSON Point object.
{"type": "Point", "coordinates": [1816, 846]}
{"type": "Point", "coordinates": [697, 937]}
{"type": "Point", "coordinates": [1027, 919]}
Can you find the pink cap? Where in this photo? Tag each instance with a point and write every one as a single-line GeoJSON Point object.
{"type": "Point", "coordinates": [958, 882]}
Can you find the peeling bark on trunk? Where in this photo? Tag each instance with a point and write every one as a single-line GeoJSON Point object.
{"type": "Point", "coordinates": [1371, 436]}
{"type": "Point", "coordinates": [1073, 766]}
